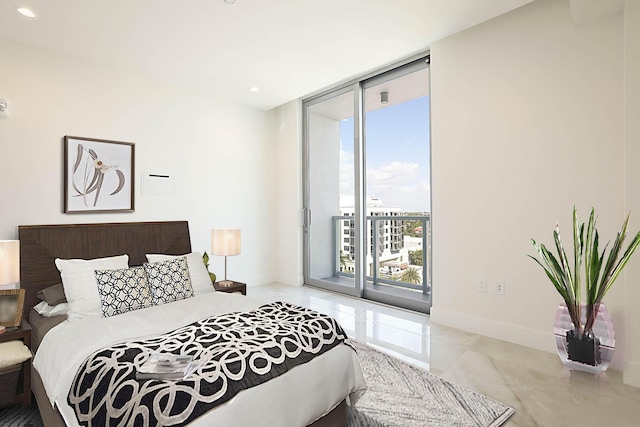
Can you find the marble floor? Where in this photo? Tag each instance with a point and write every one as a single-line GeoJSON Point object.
{"type": "Point", "coordinates": [534, 382]}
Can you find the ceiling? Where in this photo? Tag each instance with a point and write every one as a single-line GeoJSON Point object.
{"type": "Point", "coordinates": [285, 48]}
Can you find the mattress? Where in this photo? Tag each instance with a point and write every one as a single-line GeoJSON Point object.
{"type": "Point", "coordinates": [296, 398]}
{"type": "Point", "coordinates": [40, 325]}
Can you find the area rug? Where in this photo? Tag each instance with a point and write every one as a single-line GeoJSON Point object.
{"type": "Point", "coordinates": [400, 394]}
{"type": "Point", "coordinates": [17, 416]}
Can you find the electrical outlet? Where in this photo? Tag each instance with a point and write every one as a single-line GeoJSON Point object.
{"type": "Point", "coordinates": [500, 288]}
{"type": "Point", "coordinates": [482, 285]}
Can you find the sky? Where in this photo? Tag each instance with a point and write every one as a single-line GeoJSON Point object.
{"type": "Point", "coordinates": [397, 150]}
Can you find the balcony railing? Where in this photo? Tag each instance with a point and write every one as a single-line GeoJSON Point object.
{"type": "Point", "coordinates": [381, 264]}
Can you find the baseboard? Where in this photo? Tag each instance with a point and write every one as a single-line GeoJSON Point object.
{"type": "Point", "coordinates": [523, 336]}
{"type": "Point", "coordinates": [290, 280]}
{"type": "Point", "coordinates": [631, 374]}
{"type": "Point", "coordinates": [285, 283]}
{"type": "Point", "coordinates": [498, 330]}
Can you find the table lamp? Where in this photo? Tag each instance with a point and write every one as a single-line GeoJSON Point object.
{"type": "Point", "coordinates": [225, 242]}
{"type": "Point", "coordinates": [9, 264]}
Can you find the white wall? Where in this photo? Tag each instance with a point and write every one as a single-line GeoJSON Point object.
{"type": "Point", "coordinates": [289, 193]}
{"type": "Point", "coordinates": [632, 180]}
{"type": "Point", "coordinates": [222, 154]}
{"type": "Point", "coordinates": [527, 114]}
{"type": "Point", "coordinates": [324, 176]}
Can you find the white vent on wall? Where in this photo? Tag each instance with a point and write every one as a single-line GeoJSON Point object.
{"type": "Point", "coordinates": [158, 184]}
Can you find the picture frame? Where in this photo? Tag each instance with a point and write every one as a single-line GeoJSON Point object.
{"type": "Point", "coordinates": [98, 175]}
{"type": "Point", "coordinates": [11, 304]}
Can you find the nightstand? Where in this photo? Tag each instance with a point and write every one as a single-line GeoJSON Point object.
{"type": "Point", "coordinates": [236, 287]}
{"type": "Point", "coordinates": [23, 393]}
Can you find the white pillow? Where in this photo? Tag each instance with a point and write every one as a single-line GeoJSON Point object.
{"type": "Point", "coordinates": [80, 286]}
{"type": "Point", "coordinates": [12, 353]}
{"type": "Point", "coordinates": [200, 280]}
{"type": "Point", "coordinates": [47, 310]}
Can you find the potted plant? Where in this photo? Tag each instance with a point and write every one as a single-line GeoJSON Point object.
{"type": "Point", "coordinates": [600, 273]}
{"type": "Point", "coordinates": [205, 259]}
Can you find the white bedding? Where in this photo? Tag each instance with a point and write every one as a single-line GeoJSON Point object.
{"type": "Point", "coordinates": [297, 398]}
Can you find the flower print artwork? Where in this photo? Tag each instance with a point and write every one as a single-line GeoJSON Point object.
{"type": "Point", "coordinates": [91, 175]}
{"type": "Point", "coordinates": [99, 175]}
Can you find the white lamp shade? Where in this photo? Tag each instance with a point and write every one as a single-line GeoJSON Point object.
{"type": "Point", "coordinates": [225, 241]}
{"type": "Point", "coordinates": [9, 262]}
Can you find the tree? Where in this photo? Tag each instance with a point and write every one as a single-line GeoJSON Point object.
{"type": "Point", "coordinates": [343, 260]}
{"type": "Point", "coordinates": [415, 257]}
{"type": "Point", "coordinates": [411, 275]}
{"type": "Point", "coordinates": [410, 228]}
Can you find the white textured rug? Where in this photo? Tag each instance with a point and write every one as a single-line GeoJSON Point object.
{"type": "Point", "coordinates": [17, 416]}
{"type": "Point", "coordinates": [400, 394]}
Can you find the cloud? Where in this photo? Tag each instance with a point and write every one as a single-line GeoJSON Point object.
{"type": "Point", "coordinates": [397, 184]}
{"type": "Point", "coordinates": [347, 183]}
{"type": "Point", "coordinates": [400, 184]}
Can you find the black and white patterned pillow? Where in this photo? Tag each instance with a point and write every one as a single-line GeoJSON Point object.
{"type": "Point", "coordinates": [169, 280]}
{"type": "Point", "coordinates": [123, 290]}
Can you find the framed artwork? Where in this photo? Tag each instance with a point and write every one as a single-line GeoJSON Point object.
{"type": "Point", "coordinates": [98, 175]}
{"type": "Point", "coordinates": [11, 302]}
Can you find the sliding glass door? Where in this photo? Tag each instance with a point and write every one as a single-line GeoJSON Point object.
{"type": "Point", "coordinates": [367, 188]}
{"type": "Point", "coordinates": [330, 184]}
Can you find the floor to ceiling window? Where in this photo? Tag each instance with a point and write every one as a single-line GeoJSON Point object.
{"type": "Point", "coordinates": [367, 188]}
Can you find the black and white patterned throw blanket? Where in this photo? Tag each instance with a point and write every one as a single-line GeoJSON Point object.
{"type": "Point", "coordinates": [235, 351]}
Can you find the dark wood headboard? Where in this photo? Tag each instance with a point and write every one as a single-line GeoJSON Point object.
{"type": "Point", "coordinates": [40, 245]}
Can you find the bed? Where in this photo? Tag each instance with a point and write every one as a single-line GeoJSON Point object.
{"type": "Point", "coordinates": [312, 393]}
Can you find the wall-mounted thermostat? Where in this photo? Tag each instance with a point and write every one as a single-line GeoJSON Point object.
{"type": "Point", "coordinates": [4, 108]}
{"type": "Point", "coordinates": [158, 184]}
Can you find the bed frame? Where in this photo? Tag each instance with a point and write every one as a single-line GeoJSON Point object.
{"type": "Point", "coordinates": [40, 245]}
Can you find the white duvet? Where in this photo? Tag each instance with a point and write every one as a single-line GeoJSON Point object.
{"type": "Point", "coordinates": [297, 398]}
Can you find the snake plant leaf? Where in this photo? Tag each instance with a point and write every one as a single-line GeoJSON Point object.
{"type": "Point", "coordinates": [578, 247]}
{"type": "Point", "coordinates": [564, 263]}
{"type": "Point", "coordinates": [560, 288]}
{"type": "Point", "coordinates": [613, 254]}
{"type": "Point", "coordinates": [618, 269]}
{"type": "Point", "coordinates": [590, 260]}
{"type": "Point", "coordinates": [612, 272]}
{"type": "Point", "coordinates": [553, 266]}
{"type": "Point", "coordinates": [594, 266]}
{"type": "Point", "coordinates": [553, 271]}
{"type": "Point", "coordinates": [557, 278]}
{"type": "Point", "coordinates": [120, 181]}
{"type": "Point", "coordinates": [561, 265]}
{"type": "Point", "coordinates": [78, 158]}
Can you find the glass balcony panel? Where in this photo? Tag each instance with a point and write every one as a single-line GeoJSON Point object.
{"type": "Point", "coordinates": [397, 184]}
{"type": "Point", "coordinates": [331, 176]}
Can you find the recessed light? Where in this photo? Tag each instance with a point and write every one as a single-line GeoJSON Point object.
{"type": "Point", "coordinates": [28, 13]}
{"type": "Point", "coordinates": [254, 89]}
